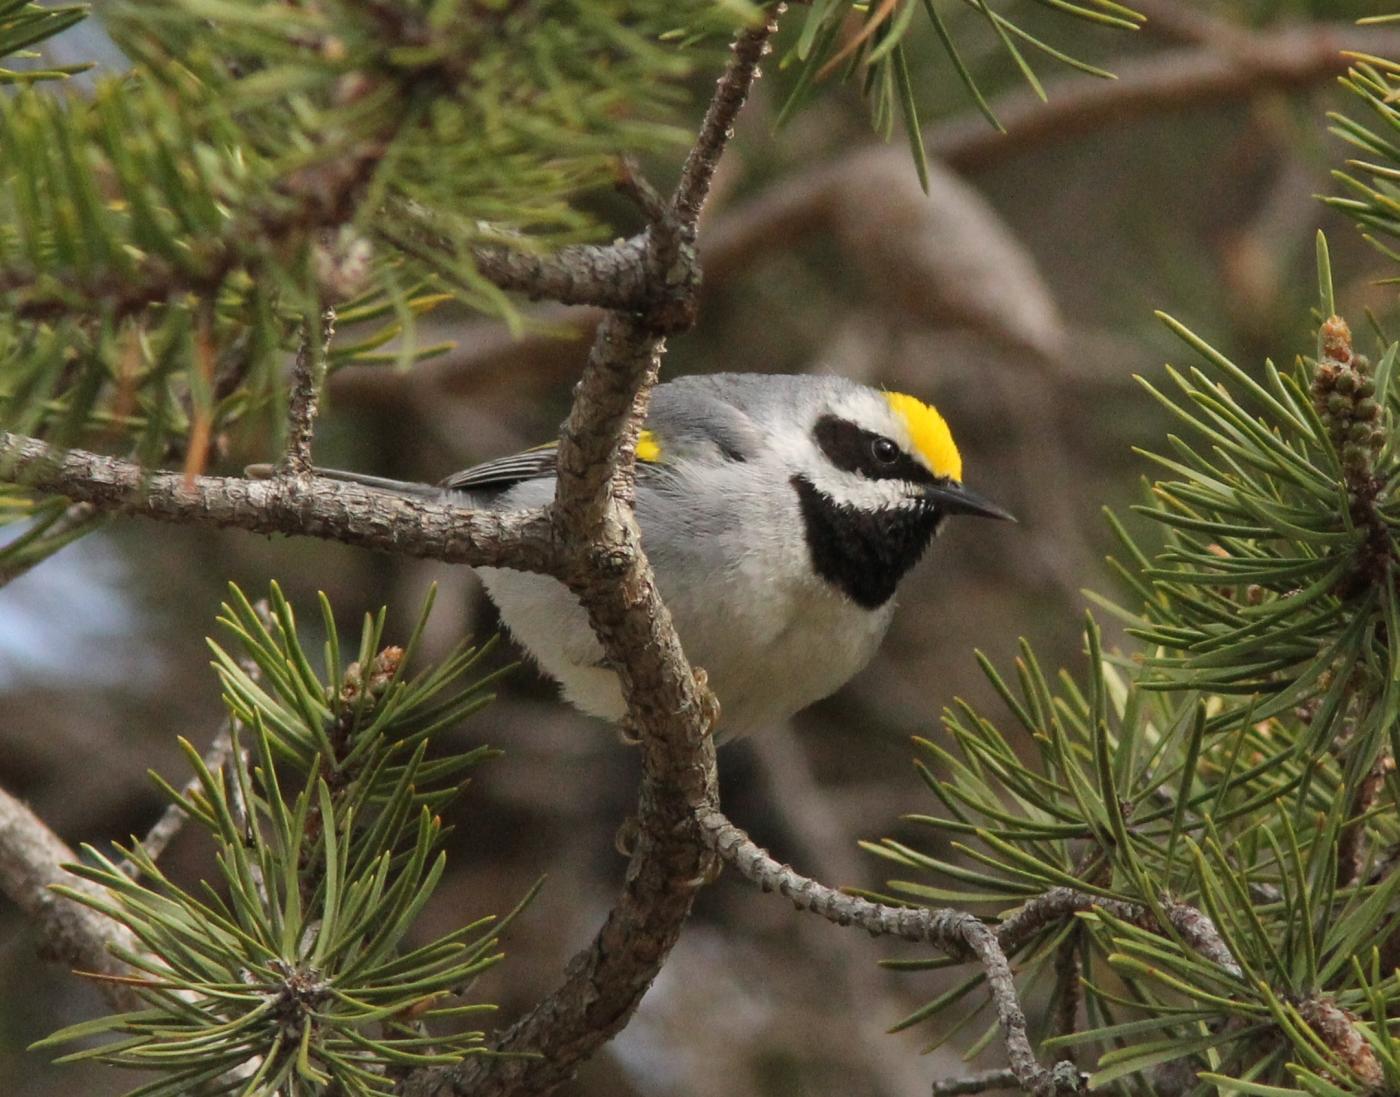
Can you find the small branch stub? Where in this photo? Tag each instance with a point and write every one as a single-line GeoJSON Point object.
{"type": "Point", "coordinates": [308, 374]}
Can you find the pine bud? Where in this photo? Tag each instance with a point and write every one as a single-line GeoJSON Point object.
{"type": "Point", "coordinates": [1336, 340]}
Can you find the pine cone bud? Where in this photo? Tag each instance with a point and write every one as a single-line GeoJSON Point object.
{"type": "Point", "coordinates": [1344, 394]}
{"type": "Point", "coordinates": [1338, 1031]}
{"type": "Point", "coordinates": [1336, 340]}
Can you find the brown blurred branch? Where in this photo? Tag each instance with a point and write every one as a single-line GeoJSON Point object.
{"type": "Point", "coordinates": [1159, 83]}
{"type": "Point", "coordinates": [1176, 21]}
{"type": "Point", "coordinates": [31, 857]}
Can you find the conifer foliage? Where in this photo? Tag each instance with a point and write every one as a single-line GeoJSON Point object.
{"type": "Point", "coordinates": [290, 972]}
{"type": "Point", "coordinates": [1224, 793]}
{"type": "Point", "coordinates": [1196, 876]}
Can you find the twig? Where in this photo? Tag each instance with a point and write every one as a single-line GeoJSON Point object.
{"type": "Point", "coordinates": [1016, 930]}
{"type": "Point", "coordinates": [1198, 932]}
{"type": "Point", "coordinates": [976, 1083]}
{"type": "Point", "coordinates": [822, 834]}
{"type": "Point", "coordinates": [964, 936]}
{"type": "Point", "coordinates": [1351, 842]}
{"type": "Point", "coordinates": [1066, 993]}
{"type": "Point", "coordinates": [615, 276]}
{"type": "Point", "coordinates": [956, 933]}
{"type": "Point", "coordinates": [731, 92]}
{"type": "Point", "coordinates": [172, 820]}
{"type": "Point", "coordinates": [31, 857]}
{"type": "Point", "coordinates": [308, 371]}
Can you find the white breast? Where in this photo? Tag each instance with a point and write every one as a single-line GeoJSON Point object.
{"type": "Point", "coordinates": [772, 637]}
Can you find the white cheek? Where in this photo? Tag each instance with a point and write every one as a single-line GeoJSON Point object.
{"type": "Point", "coordinates": [855, 490]}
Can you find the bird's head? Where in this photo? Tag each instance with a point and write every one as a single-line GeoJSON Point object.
{"type": "Point", "coordinates": [875, 475]}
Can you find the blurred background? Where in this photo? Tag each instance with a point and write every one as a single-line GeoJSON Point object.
{"type": "Point", "coordinates": [1018, 297]}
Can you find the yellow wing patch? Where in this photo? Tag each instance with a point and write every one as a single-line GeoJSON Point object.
{"type": "Point", "coordinates": [929, 433]}
{"type": "Point", "coordinates": [648, 447]}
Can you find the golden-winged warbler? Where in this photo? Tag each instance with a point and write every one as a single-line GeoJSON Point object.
{"type": "Point", "coordinates": [779, 514]}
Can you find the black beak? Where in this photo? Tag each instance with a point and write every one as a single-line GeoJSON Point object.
{"type": "Point", "coordinates": [955, 499]}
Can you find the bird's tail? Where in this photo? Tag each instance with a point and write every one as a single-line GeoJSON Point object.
{"type": "Point", "coordinates": [398, 487]}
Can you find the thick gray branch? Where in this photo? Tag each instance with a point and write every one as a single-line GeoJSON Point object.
{"type": "Point", "coordinates": [30, 856]}
{"type": "Point", "coordinates": [613, 276]}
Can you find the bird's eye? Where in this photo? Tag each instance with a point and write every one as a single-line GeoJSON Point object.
{"type": "Point", "coordinates": [884, 451]}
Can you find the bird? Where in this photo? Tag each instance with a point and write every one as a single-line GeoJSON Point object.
{"type": "Point", "coordinates": [779, 514]}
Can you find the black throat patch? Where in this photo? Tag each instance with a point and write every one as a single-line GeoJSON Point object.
{"type": "Point", "coordinates": [863, 553]}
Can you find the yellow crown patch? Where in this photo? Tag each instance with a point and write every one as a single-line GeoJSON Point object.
{"type": "Point", "coordinates": [929, 433]}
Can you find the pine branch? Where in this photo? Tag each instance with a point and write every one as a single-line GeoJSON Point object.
{"type": "Point", "coordinates": [75, 521]}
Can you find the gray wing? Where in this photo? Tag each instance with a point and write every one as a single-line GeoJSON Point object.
{"type": "Point", "coordinates": [692, 419]}
{"type": "Point", "coordinates": [499, 473]}
{"type": "Point", "coordinates": [687, 421]}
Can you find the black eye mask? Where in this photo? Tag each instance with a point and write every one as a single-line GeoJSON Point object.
{"type": "Point", "coordinates": [852, 448]}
